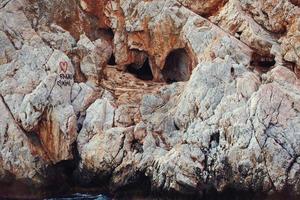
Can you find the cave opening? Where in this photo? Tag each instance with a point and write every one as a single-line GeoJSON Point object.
{"type": "Point", "coordinates": [263, 63]}
{"type": "Point", "coordinates": [266, 63]}
{"type": "Point", "coordinates": [109, 33]}
{"type": "Point", "coordinates": [112, 60]}
{"type": "Point", "coordinates": [177, 66]}
{"type": "Point", "coordinates": [295, 2]}
{"type": "Point", "coordinates": [143, 73]}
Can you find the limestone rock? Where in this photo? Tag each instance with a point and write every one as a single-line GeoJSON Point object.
{"type": "Point", "coordinates": [103, 151]}
{"type": "Point", "coordinates": [291, 46]}
{"type": "Point", "coordinates": [186, 95]}
{"type": "Point", "coordinates": [236, 21]}
{"type": "Point", "coordinates": [7, 49]}
{"type": "Point", "coordinates": [203, 8]}
{"type": "Point", "coordinates": [48, 109]}
{"type": "Point", "coordinates": [97, 8]}
{"type": "Point", "coordinates": [18, 155]}
{"type": "Point", "coordinates": [58, 39]}
{"type": "Point", "coordinates": [276, 16]}
{"type": "Point", "coordinates": [99, 118]}
{"type": "Point", "coordinates": [95, 56]}
{"type": "Point", "coordinates": [66, 14]}
{"type": "Point", "coordinates": [125, 115]}
{"type": "Point", "coordinates": [83, 95]}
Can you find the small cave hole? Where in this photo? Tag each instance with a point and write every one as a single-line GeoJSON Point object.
{"type": "Point", "coordinates": [176, 127]}
{"type": "Point", "coordinates": [177, 66]}
{"type": "Point", "coordinates": [108, 33]}
{"type": "Point", "coordinates": [295, 2]}
{"type": "Point", "coordinates": [112, 60]}
{"type": "Point", "coordinates": [103, 33]}
{"type": "Point", "coordinates": [214, 139]}
{"type": "Point", "coordinates": [238, 34]}
{"type": "Point", "coordinates": [267, 63]}
{"type": "Point", "coordinates": [143, 72]}
{"type": "Point", "coordinates": [80, 119]}
{"type": "Point", "coordinates": [232, 71]}
{"type": "Point", "coordinates": [263, 63]}
{"type": "Point", "coordinates": [136, 145]}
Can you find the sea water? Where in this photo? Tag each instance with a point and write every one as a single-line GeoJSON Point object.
{"type": "Point", "coordinates": [80, 196]}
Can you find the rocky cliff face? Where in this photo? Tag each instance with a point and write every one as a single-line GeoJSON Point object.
{"type": "Point", "coordinates": [190, 95]}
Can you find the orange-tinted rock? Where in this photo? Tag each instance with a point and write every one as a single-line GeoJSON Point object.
{"type": "Point", "coordinates": [227, 112]}
{"type": "Point", "coordinates": [275, 15]}
{"type": "Point", "coordinates": [66, 14]}
{"type": "Point", "coordinates": [156, 37]}
{"type": "Point", "coordinates": [96, 8]}
{"type": "Point", "coordinates": [296, 2]}
{"type": "Point", "coordinates": [290, 45]}
{"type": "Point", "coordinates": [69, 16]}
{"type": "Point", "coordinates": [58, 143]}
{"type": "Point", "coordinates": [204, 7]}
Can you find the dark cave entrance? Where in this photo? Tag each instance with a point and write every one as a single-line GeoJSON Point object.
{"type": "Point", "coordinates": [143, 72]}
{"type": "Point", "coordinates": [112, 60]}
{"type": "Point", "coordinates": [177, 66]}
{"type": "Point", "coordinates": [263, 63]}
{"type": "Point", "coordinates": [295, 2]}
{"type": "Point", "coordinates": [266, 62]}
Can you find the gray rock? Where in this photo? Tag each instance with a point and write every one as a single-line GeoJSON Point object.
{"type": "Point", "coordinates": [234, 123]}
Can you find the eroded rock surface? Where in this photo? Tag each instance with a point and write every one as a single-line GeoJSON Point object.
{"type": "Point", "coordinates": [190, 95]}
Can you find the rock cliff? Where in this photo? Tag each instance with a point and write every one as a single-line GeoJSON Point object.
{"type": "Point", "coordinates": [190, 95]}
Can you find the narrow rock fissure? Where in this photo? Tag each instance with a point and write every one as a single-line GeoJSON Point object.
{"type": "Point", "coordinates": [4, 3]}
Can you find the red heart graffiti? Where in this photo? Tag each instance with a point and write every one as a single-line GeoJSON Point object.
{"type": "Point", "coordinates": [63, 66]}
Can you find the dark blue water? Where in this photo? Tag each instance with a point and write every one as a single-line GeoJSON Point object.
{"type": "Point", "coordinates": [79, 196]}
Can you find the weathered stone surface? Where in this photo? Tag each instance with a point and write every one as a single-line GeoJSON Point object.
{"type": "Point", "coordinates": [99, 117]}
{"type": "Point", "coordinates": [125, 115]}
{"type": "Point", "coordinates": [97, 8]}
{"type": "Point", "coordinates": [65, 13]}
{"type": "Point", "coordinates": [83, 95]}
{"type": "Point", "coordinates": [187, 94]}
{"type": "Point", "coordinates": [276, 16]}
{"type": "Point", "coordinates": [58, 39]}
{"type": "Point", "coordinates": [291, 46]}
{"type": "Point", "coordinates": [95, 56]}
{"type": "Point", "coordinates": [260, 23]}
{"type": "Point", "coordinates": [7, 49]}
{"type": "Point", "coordinates": [18, 156]}
{"type": "Point", "coordinates": [204, 8]}
{"type": "Point", "coordinates": [48, 109]}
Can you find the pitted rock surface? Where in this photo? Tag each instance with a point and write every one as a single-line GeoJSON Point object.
{"type": "Point", "coordinates": [190, 95]}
